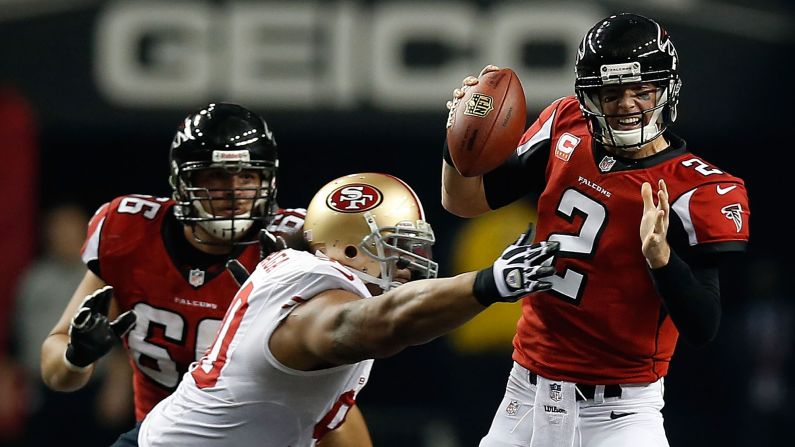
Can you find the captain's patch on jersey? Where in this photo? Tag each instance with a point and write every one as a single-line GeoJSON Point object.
{"type": "Point", "coordinates": [566, 145]}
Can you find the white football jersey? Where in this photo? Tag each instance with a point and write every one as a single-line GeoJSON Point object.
{"type": "Point", "coordinates": [238, 393]}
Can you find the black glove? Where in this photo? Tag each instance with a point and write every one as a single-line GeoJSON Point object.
{"type": "Point", "coordinates": [90, 334]}
{"type": "Point", "coordinates": [520, 270]}
{"type": "Point", "coordinates": [268, 243]}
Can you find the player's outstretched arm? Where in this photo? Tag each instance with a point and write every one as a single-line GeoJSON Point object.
{"type": "Point", "coordinates": [83, 334]}
{"type": "Point", "coordinates": [337, 327]}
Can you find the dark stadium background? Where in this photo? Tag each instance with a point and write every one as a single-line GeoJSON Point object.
{"type": "Point", "coordinates": [735, 111]}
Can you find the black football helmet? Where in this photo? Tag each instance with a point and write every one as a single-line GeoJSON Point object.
{"type": "Point", "coordinates": [229, 137]}
{"type": "Point", "coordinates": [627, 49]}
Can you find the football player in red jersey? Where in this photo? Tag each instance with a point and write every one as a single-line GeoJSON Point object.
{"type": "Point", "coordinates": [590, 354]}
{"type": "Point", "coordinates": [163, 259]}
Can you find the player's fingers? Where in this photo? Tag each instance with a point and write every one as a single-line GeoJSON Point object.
{"type": "Point", "coordinates": [83, 319]}
{"type": "Point", "coordinates": [550, 249]}
{"type": "Point", "coordinates": [662, 201]}
{"type": "Point", "coordinates": [488, 69]}
{"type": "Point", "coordinates": [238, 272]}
{"type": "Point", "coordinates": [449, 105]}
{"type": "Point", "coordinates": [458, 93]}
{"type": "Point", "coordinates": [645, 192]}
{"type": "Point", "coordinates": [661, 184]}
{"type": "Point", "coordinates": [527, 236]}
{"type": "Point", "coordinates": [659, 223]}
{"type": "Point", "coordinates": [270, 243]}
{"type": "Point", "coordinates": [542, 272]}
{"type": "Point", "coordinates": [124, 323]}
{"type": "Point", "coordinates": [470, 80]}
{"type": "Point", "coordinates": [99, 301]}
{"type": "Point", "coordinates": [536, 274]}
{"type": "Point", "coordinates": [662, 195]}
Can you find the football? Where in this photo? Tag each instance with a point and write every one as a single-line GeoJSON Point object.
{"type": "Point", "coordinates": [487, 124]}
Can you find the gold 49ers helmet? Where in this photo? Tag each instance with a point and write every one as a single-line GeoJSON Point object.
{"type": "Point", "coordinates": [374, 224]}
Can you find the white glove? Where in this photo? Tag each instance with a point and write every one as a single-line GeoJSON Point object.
{"type": "Point", "coordinates": [521, 269]}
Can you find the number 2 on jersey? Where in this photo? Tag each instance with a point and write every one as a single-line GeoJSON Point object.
{"type": "Point", "coordinates": [581, 245]}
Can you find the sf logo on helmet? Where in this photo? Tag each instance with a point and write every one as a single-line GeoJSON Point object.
{"type": "Point", "coordinates": [354, 198]}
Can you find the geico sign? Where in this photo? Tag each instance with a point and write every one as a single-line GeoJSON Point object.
{"type": "Point", "coordinates": [338, 55]}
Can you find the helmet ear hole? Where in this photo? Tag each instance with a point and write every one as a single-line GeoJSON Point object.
{"type": "Point", "coordinates": [351, 251]}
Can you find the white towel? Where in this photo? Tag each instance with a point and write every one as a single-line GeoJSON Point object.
{"type": "Point", "coordinates": [555, 414]}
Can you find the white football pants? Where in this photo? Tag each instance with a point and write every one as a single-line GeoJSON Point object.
{"type": "Point", "coordinates": [632, 420]}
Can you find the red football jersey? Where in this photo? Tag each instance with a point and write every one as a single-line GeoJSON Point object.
{"type": "Point", "coordinates": [603, 321]}
{"type": "Point", "coordinates": [179, 306]}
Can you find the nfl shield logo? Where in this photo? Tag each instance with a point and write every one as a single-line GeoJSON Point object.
{"type": "Point", "coordinates": [607, 163]}
{"type": "Point", "coordinates": [196, 277]}
{"type": "Point", "coordinates": [513, 408]}
{"type": "Point", "coordinates": [479, 105]}
{"type": "Point", "coordinates": [555, 392]}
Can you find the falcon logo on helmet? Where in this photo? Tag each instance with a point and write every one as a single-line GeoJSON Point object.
{"type": "Point", "coordinates": [183, 134]}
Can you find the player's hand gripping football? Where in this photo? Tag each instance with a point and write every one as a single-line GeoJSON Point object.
{"type": "Point", "coordinates": [654, 225]}
{"type": "Point", "coordinates": [91, 334]}
{"type": "Point", "coordinates": [268, 243]}
{"type": "Point", "coordinates": [521, 269]}
{"type": "Point", "coordinates": [459, 93]}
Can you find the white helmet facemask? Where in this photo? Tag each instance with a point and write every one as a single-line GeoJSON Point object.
{"type": "Point", "coordinates": [232, 228]}
{"type": "Point", "coordinates": [629, 140]}
{"type": "Point", "coordinates": [405, 245]}
{"type": "Point", "coordinates": [224, 229]}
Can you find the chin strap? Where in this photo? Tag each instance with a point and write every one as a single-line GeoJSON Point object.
{"type": "Point", "coordinates": [384, 284]}
{"type": "Point", "coordinates": [628, 140]}
{"type": "Point", "coordinates": [632, 140]}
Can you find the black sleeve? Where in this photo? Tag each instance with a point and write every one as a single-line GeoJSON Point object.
{"type": "Point", "coordinates": [93, 265]}
{"type": "Point", "coordinates": [518, 176]}
{"type": "Point", "coordinates": [691, 296]}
